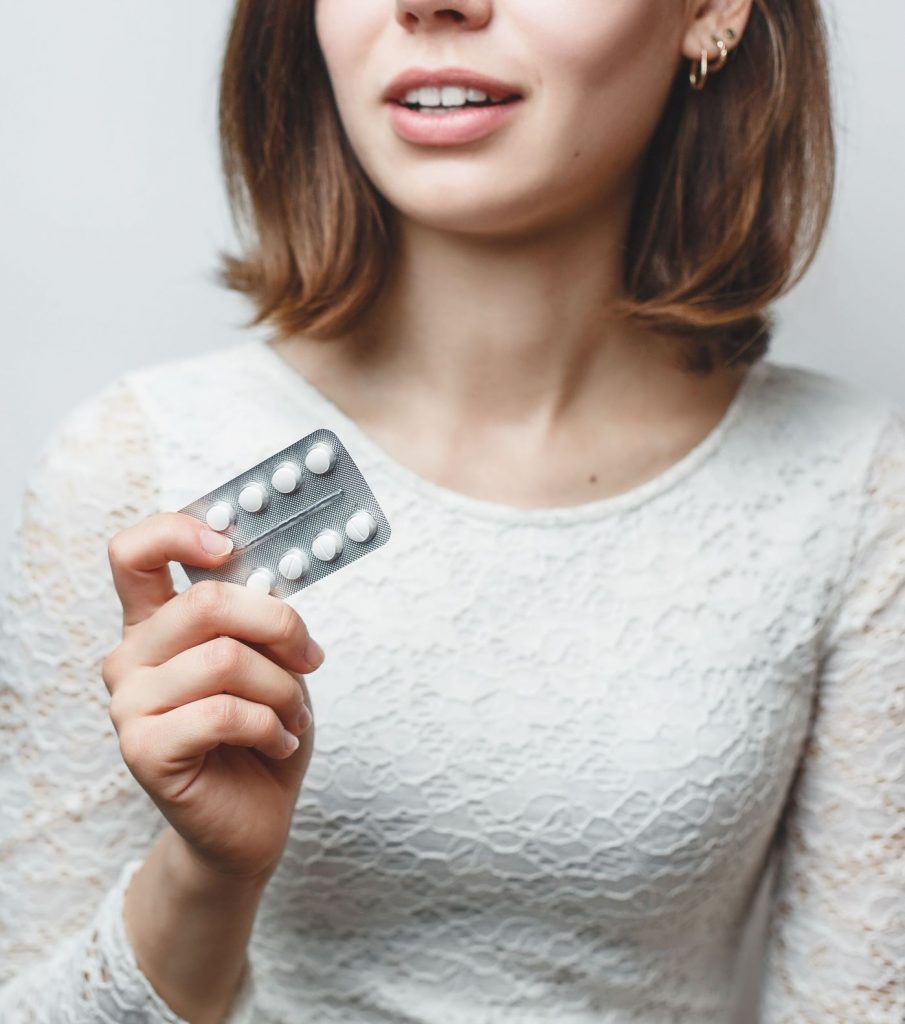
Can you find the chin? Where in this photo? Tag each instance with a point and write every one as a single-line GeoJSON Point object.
{"type": "Point", "coordinates": [464, 211]}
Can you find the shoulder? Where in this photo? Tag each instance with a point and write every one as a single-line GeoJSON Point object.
{"type": "Point", "coordinates": [214, 377]}
{"type": "Point", "coordinates": [123, 432]}
{"type": "Point", "coordinates": [134, 398]}
{"type": "Point", "coordinates": [214, 413]}
{"type": "Point", "coordinates": [805, 462]}
{"type": "Point", "coordinates": [803, 396]}
{"type": "Point", "coordinates": [845, 444]}
{"type": "Point", "coordinates": [94, 473]}
{"type": "Point", "coordinates": [824, 421]}
{"type": "Point", "coordinates": [105, 428]}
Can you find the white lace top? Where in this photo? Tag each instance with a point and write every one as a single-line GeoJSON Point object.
{"type": "Point", "coordinates": [555, 746]}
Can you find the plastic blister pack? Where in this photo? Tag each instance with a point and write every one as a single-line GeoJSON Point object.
{"type": "Point", "coordinates": [294, 518]}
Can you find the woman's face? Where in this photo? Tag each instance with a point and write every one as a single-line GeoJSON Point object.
{"type": "Point", "coordinates": [594, 76]}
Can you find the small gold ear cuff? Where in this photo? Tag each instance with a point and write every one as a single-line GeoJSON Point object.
{"type": "Point", "coordinates": [700, 69]}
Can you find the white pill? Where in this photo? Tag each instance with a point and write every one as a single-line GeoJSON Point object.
{"type": "Point", "coordinates": [253, 498]}
{"type": "Point", "coordinates": [327, 545]}
{"type": "Point", "coordinates": [361, 527]}
{"type": "Point", "coordinates": [261, 579]}
{"type": "Point", "coordinates": [294, 563]}
{"type": "Point", "coordinates": [220, 515]}
{"type": "Point", "coordinates": [320, 458]}
{"type": "Point", "coordinates": [286, 477]}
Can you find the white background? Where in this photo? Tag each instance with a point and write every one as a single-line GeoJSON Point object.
{"type": "Point", "coordinates": [113, 210]}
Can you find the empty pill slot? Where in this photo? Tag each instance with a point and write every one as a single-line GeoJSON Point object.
{"type": "Point", "coordinates": [310, 510]}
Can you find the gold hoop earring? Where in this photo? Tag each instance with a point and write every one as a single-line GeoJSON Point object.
{"type": "Point", "coordinates": [700, 69]}
{"type": "Point", "coordinates": [699, 78]}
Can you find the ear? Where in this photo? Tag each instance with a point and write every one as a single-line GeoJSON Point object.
{"type": "Point", "coordinates": [707, 18]}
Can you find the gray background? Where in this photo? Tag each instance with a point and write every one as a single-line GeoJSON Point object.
{"type": "Point", "coordinates": [113, 210]}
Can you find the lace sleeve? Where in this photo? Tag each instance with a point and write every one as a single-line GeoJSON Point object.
{"type": "Point", "coordinates": [74, 824]}
{"type": "Point", "coordinates": [835, 949]}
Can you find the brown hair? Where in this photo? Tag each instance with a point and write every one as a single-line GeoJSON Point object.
{"type": "Point", "coordinates": [732, 202]}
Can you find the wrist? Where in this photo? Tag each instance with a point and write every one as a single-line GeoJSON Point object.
{"type": "Point", "coordinates": [193, 876]}
{"type": "Point", "coordinates": [189, 928]}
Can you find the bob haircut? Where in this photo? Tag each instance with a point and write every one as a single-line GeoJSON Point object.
{"type": "Point", "coordinates": [732, 202]}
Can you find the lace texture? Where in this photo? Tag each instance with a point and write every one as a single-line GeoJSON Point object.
{"type": "Point", "coordinates": [75, 823]}
{"type": "Point", "coordinates": [836, 945]}
{"type": "Point", "coordinates": [555, 749]}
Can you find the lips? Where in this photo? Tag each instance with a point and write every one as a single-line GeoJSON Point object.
{"type": "Point", "coordinates": [455, 128]}
{"type": "Point", "coordinates": [415, 78]}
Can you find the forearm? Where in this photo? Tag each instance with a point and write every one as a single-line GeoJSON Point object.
{"type": "Point", "coordinates": [189, 931]}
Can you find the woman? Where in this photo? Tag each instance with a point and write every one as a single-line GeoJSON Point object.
{"type": "Point", "coordinates": [640, 625]}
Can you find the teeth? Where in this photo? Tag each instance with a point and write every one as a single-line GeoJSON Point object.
{"type": "Point", "coordinates": [428, 96]}
{"type": "Point", "coordinates": [446, 96]}
{"type": "Point", "coordinates": [452, 96]}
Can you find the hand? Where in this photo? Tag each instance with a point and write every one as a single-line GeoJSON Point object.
{"type": "Point", "coordinates": [201, 688]}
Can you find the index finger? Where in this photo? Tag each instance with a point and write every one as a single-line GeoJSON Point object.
{"type": "Point", "coordinates": [211, 609]}
{"type": "Point", "coordinates": [139, 557]}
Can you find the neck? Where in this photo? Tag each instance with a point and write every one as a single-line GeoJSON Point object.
{"type": "Point", "coordinates": [503, 332]}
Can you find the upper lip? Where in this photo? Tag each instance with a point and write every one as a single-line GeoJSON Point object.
{"type": "Point", "coordinates": [415, 78]}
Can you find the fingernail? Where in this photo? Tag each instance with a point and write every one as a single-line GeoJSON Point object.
{"type": "Point", "coordinates": [305, 720]}
{"type": "Point", "coordinates": [314, 653]}
{"type": "Point", "coordinates": [215, 543]}
{"type": "Point", "coordinates": [289, 741]}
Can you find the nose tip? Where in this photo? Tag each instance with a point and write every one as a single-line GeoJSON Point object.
{"type": "Point", "coordinates": [436, 14]}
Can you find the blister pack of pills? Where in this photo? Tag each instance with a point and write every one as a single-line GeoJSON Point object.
{"type": "Point", "coordinates": [294, 518]}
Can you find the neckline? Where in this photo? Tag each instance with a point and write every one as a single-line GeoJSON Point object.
{"type": "Point", "coordinates": [297, 385]}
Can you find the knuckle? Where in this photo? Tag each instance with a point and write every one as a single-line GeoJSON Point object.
{"type": "Point", "coordinates": [288, 624]}
{"type": "Point", "coordinates": [132, 744]}
{"type": "Point", "coordinates": [224, 712]}
{"type": "Point", "coordinates": [116, 549]}
{"type": "Point", "coordinates": [224, 655]}
{"type": "Point", "coordinates": [294, 697]}
{"type": "Point", "coordinates": [110, 669]}
{"type": "Point", "coordinates": [207, 600]}
{"type": "Point", "coordinates": [116, 711]}
{"type": "Point", "coordinates": [263, 721]}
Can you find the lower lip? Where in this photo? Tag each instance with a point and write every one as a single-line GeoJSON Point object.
{"type": "Point", "coordinates": [453, 129]}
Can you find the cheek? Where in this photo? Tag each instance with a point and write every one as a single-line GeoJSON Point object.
{"type": "Point", "coordinates": [347, 31]}
{"type": "Point", "coordinates": [595, 33]}
{"type": "Point", "coordinates": [605, 70]}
